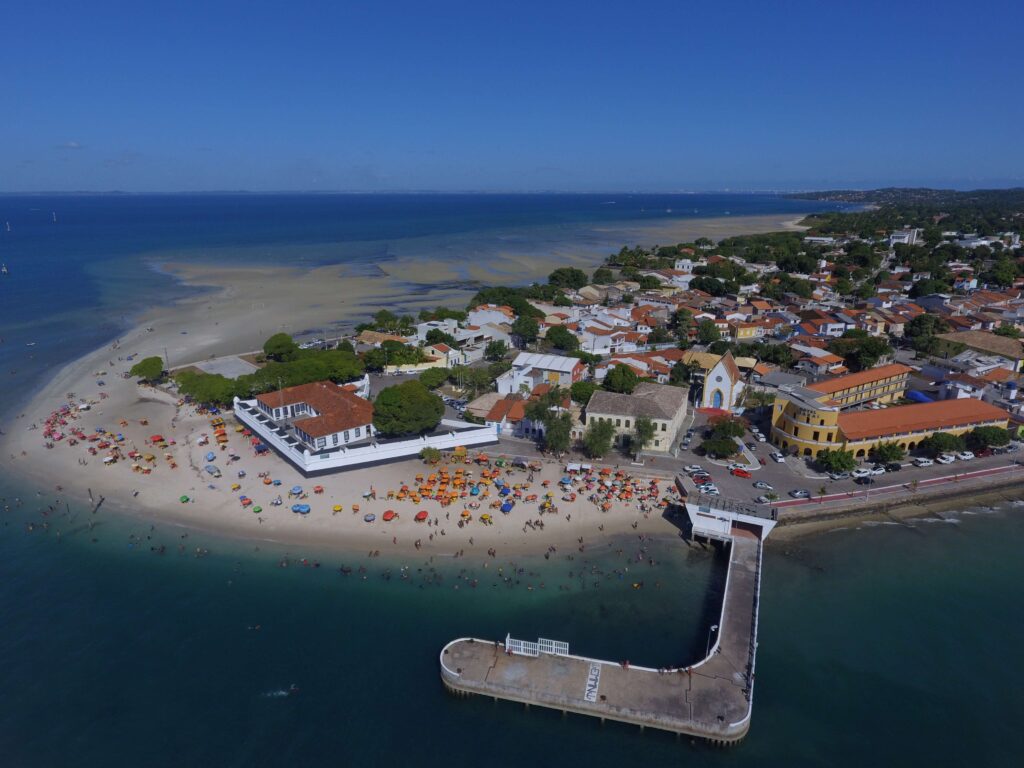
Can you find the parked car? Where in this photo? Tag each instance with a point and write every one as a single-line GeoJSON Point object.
{"type": "Point", "coordinates": [736, 465]}
{"type": "Point", "coordinates": [838, 475]}
{"type": "Point", "coordinates": [691, 468]}
{"type": "Point", "coordinates": [712, 492]}
{"type": "Point", "coordinates": [945, 459]}
{"type": "Point", "coordinates": [776, 456]}
{"type": "Point", "coordinates": [893, 466]}
{"type": "Point", "coordinates": [862, 472]}
{"type": "Point", "coordinates": [983, 453]}
{"type": "Point", "coordinates": [761, 438]}
{"type": "Point", "coordinates": [763, 486]}
{"type": "Point", "coordinates": [923, 462]}
{"type": "Point", "coordinates": [878, 469]}
{"type": "Point", "coordinates": [965, 455]}
{"type": "Point", "coordinates": [751, 446]}
{"type": "Point", "coordinates": [740, 473]}
{"type": "Point", "coordinates": [800, 493]}
{"type": "Point", "coordinates": [763, 500]}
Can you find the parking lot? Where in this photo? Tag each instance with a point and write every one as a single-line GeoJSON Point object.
{"type": "Point", "coordinates": [796, 474]}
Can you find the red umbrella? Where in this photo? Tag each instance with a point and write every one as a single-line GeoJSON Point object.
{"type": "Point", "coordinates": [421, 516]}
{"type": "Point", "coordinates": [157, 438]}
{"type": "Point", "coordinates": [389, 516]}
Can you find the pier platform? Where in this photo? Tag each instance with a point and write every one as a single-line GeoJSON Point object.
{"type": "Point", "coordinates": [712, 699]}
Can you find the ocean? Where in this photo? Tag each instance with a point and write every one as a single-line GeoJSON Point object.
{"type": "Point", "coordinates": [124, 644]}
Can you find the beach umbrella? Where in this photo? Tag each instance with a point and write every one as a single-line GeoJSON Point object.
{"type": "Point", "coordinates": [183, 499]}
{"type": "Point", "coordinates": [465, 513]}
{"type": "Point", "coordinates": [257, 510]}
{"type": "Point", "coordinates": [211, 456]}
{"type": "Point", "coordinates": [297, 490]}
{"type": "Point", "coordinates": [474, 491]}
{"type": "Point", "coordinates": [505, 490]}
{"type": "Point", "coordinates": [506, 507]}
{"type": "Point", "coordinates": [337, 508]}
{"type": "Point", "coordinates": [369, 517]}
{"type": "Point", "coordinates": [155, 438]}
{"type": "Point", "coordinates": [390, 515]}
{"type": "Point", "coordinates": [421, 516]}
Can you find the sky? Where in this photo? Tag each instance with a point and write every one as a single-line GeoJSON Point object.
{"type": "Point", "coordinates": [510, 96]}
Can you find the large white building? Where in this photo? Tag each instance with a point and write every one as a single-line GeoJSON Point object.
{"type": "Point", "coordinates": [530, 369]}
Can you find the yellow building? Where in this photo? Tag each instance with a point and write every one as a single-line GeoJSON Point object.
{"type": "Point", "coordinates": [884, 384]}
{"type": "Point", "coordinates": [807, 422]}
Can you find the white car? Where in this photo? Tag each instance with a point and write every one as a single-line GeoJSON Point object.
{"type": "Point", "coordinates": [946, 459]}
{"type": "Point", "coordinates": [712, 492]}
{"type": "Point", "coordinates": [778, 457]}
{"type": "Point", "coordinates": [693, 468]}
{"type": "Point", "coordinates": [965, 455]}
{"type": "Point", "coordinates": [857, 474]}
{"type": "Point", "coordinates": [763, 486]}
{"type": "Point", "coordinates": [763, 500]}
{"type": "Point", "coordinates": [761, 438]}
{"type": "Point", "coordinates": [736, 465]}
{"type": "Point", "coordinates": [923, 462]}
{"type": "Point", "coordinates": [878, 469]}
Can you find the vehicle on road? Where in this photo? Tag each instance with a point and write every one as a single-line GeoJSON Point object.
{"type": "Point", "coordinates": [945, 459]}
{"type": "Point", "coordinates": [965, 455]}
{"type": "Point", "coordinates": [761, 438]}
{"type": "Point", "coordinates": [738, 472]}
{"type": "Point", "coordinates": [763, 486]}
{"type": "Point", "coordinates": [878, 469]}
{"type": "Point", "coordinates": [736, 465]}
{"type": "Point", "coordinates": [838, 475]}
{"type": "Point", "coordinates": [751, 446]}
{"type": "Point", "coordinates": [923, 462]}
{"type": "Point", "coordinates": [763, 500]}
{"type": "Point", "coordinates": [857, 474]}
{"type": "Point", "coordinates": [691, 468]}
{"type": "Point", "coordinates": [893, 466]}
{"type": "Point", "coordinates": [800, 493]}
{"type": "Point", "coordinates": [776, 456]}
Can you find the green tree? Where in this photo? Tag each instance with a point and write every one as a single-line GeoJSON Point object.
{"type": "Point", "coordinates": [649, 283]}
{"type": "Point", "coordinates": [987, 437]}
{"type": "Point", "coordinates": [1010, 331]}
{"type": "Point", "coordinates": [886, 453]}
{"type": "Point", "coordinates": [408, 408]}
{"type": "Point", "coordinates": [430, 455]}
{"type": "Point", "coordinates": [562, 338]}
{"type": "Point", "coordinates": [568, 277]}
{"type": "Point", "coordinates": [926, 325]}
{"type": "Point", "coordinates": [727, 426]}
{"type": "Point", "coordinates": [526, 329]}
{"type": "Point", "coordinates": [148, 369]}
{"type": "Point", "coordinates": [496, 350]}
{"type": "Point", "coordinates": [437, 336]}
{"type": "Point", "coordinates": [680, 374]}
{"type": "Point", "coordinates": [707, 332]}
{"type": "Point", "coordinates": [603, 276]}
{"type": "Point", "coordinates": [835, 460]}
{"type": "Point", "coordinates": [345, 346]}
{"type": "Point", "coordinates": [581, 391]}
{"type": "Point", "coordinates": [941, 442]}
{"type": "Point", "coordinates": [281, 347]}
{"type": "Point", "coordinates": [558, 433]}
{"type": "Point", "coordinates": [643, 433]}
{"type": "Point", "coordinates": [719, 447]}
{"type": "Point", "coordinates": [622, 379]}
{"type": "Point", "coordinates": [597, 440]}
{"type": "Point", "coordinates": [433, 378]}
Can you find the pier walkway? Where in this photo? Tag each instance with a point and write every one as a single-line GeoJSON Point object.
{"type": "Point", "coordinates": [711, 699]}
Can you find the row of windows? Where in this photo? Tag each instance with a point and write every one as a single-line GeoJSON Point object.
{"type": "Point", "coordinates": [618, 422]}
{"type": "Point", "coordinates": [321, 442]}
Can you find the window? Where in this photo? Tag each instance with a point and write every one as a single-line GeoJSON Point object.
{"type": "Point", "coordinates": [627, 422]}
{"type": "Point", "coordinates": [346, 435]}
{"type": "Point", "coordinates": [334, 439]}
{"type": "Point", "coordinates": [815, 436]}
{"type": "Point", "coordinates": [664, 426]}
{"type": "Point", "coordinates": [359, 431]}
{"type": "Point", "coordinates": [618, 422]}
{"type": "Point", "coordinates": [796, 431]}
{"type": "Point", "coordinates": [321, 442]}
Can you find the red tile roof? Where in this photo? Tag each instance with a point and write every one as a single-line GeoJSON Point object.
{"type": "Point", "coordinates": [339, 409]}
{"type": "Point", "coordinates": [944, 414]}
{"type": "Point", "coordinates": [840, 383]}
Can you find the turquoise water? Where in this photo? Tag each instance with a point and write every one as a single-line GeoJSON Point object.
{"type": "Point", "coordinates": [888, 645]}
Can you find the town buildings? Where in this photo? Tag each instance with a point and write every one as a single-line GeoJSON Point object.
{"type": "Point", "coordinates": [664, 405]}
{"type": "Point", "coordinates": [530, 369]}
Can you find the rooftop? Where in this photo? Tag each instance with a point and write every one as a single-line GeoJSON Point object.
{"type": "Point", "coordinates": [987, 342]}
{"type": "Point", "coordinates": [546, 362]}
{"type": "Point", "coordinates": [653, 401]}
{"type": "Point", "coordinates": [860, 378]}
{"type": "Point", "coordinates": [944, 414]}
{"type": "Point", "coordinates": [338, 408]}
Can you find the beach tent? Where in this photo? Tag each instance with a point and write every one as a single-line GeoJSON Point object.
{"type": "Point", "coordinates": [389, 516]}
{"type": "Point", "coordinates": [297, 490]}
{"type": "Point", "coordinates": [211, 456]}
{"type": "Point", "coordinates": [369, 517]}
{"type": "Point", "coordinates": [506, 507]}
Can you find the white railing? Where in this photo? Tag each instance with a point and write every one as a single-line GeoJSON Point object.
{"type": "Point", "coordinates": [350, 456]}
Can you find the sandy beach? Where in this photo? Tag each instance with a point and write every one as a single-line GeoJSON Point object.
{"type": "Point", "coordinates": [241, 307]}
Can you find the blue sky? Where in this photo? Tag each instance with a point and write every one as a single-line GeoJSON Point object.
{"type": "Point", "coordinates": [510, 95]}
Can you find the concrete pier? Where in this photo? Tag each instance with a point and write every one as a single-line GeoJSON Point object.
{"type": "Point", "coordinates": [711, 699]}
